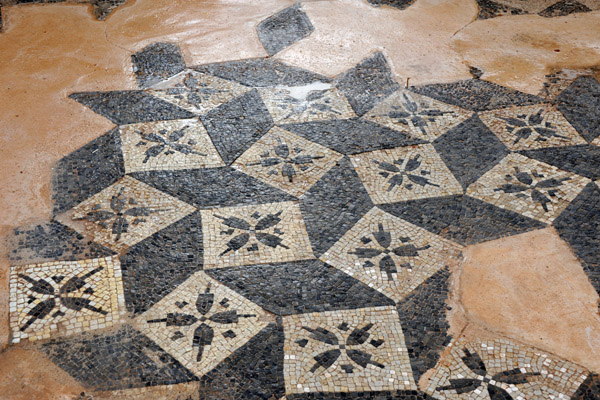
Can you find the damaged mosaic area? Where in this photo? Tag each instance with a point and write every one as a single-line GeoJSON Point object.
{"type": "Point", "coordinates": [255, 230]}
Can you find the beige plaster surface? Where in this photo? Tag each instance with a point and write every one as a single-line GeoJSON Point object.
{"type": "Point", "coordinates": [532, 288]}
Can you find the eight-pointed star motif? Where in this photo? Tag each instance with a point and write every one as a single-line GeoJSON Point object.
{"type": "Point", "coordinates": [405, 173]}
{"type": "Point", "coordinates": [390, 254]}
{"type": "Point", "coordinates": [202, 322]}
{"type": "Point", "coordinates": [531, 127]}
{"type": "Point", "coordinates": [417, 115]}
{"type": "Point", "coordinates": [287, 161]}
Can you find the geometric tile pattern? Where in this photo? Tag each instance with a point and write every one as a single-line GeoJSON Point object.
{"type": "Point", "coordinates": [528, 187]}
{"type": "Point", "coordinates": [171, 145]}
{"type": "Point", "coordinates": [281, 233]}
{"type": "Point", "coordinates": [284, 29]}
{"type": "Point", "coordinates": [254, 234]}
{"type": "Point", "coordinates": [196, 92]}
{"type": "Point", "coordinates": [286, 161]}
{"type": "Point", "coordinates": [390, 254]}
{"type": "Point", "coordinates": [125, 213]}
{"type": "Point", "coordinates": [419, 116]}
{"type": "Point", "coordinates": [502, 369]}
{"type": "Point", "coordinates": [405, 173]}
{"type": "Point", "coordinates": [531, 127]}
{"type": "Point", "coordinates": [544, 8]}
{"type": "Point", "coordinates": [65, 297]}
{"type": "Point", "coordinates": [347, 351]}
{"type": "Point", "coordinates": [201, 322]}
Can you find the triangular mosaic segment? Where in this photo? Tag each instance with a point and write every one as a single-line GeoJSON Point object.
{"type": "Point", "coordinates": [197, 92]}
{"type": "Point", "coordinates": [528, 187]}
{"type": "Point", "coordinates": [345, 351]}
{"type": "Point", "coordinates": [531, 127]}
{"type": "Point", "coordinates": [246, 235]}
{"type": "Point", "coordinates": [502, 369]}
{"type": "Point", "coordinates": [287, 161]}
{"type": "Point", "coordinates": [405, 173]}
{"type": "Point", "coordinates": [420, 116]}
{"type": "Point", "coordinates": [315, 102]}
{"type": "Point", "coordinates": [170, 145]}
{"type": "Point", "coordinates": [390, 254]}
{"type": "Point", "coordinates": [202, 322]}
{"type": "Point", "coordinates": [125, 213]}
{"type": "Point", "coordinates": [61, 298]}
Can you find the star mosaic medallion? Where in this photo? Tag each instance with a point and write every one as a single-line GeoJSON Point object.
{"type": "Point", "coordinates": [267, 232]}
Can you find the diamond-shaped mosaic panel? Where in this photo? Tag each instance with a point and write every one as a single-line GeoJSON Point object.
{"type": "Point", "coordinates": [265, 233]}
{"type": "Point", "coordinates": [313, 102]}
{"type": "Point", "coordinates": [197, 92]}
{"type": "Point", "coordinates": [405, 173]}
{"type": "Point", "coordinates": [287, 161]}
{"type": "Point", "coordinates": [418, 115]}
{"type": "Point", "coordinates": [528, 187]}
{"type": "Point", "coordinates": [390, 254]}
{"type": "Point", "coordinates": [170, 145]}
{"type": "Point", "coordinates": [501, 369]}
{"type": "Point", "coordinates": [202, 322]}
{"type": "Point", "coordinates": [346, 351]}
{"type": "Point", "coordinates": [531, 127]}
{"type": "Point", "coordinates": [65, 297]}
{"type": "Point", "coordinates": [125, 213]}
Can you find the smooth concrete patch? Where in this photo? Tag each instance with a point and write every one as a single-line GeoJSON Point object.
{"type": "Point", "coordinates": [532, 288]}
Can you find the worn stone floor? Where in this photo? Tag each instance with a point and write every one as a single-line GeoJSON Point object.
{"type": "Point", "coordinates": [320, 199]}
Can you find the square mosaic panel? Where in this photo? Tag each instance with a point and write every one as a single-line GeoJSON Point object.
{"type": "Point", "coordinates": [167, 145]}
{"type": "Point", "coordinates": [202, 322]}
{"type": "Point", "coordinates": [313, 102]}
{"type": "Point", "coordinates": [531, 127]}
{"type": "Point", "coordinates": [287, 161]}
{"type": "Point", "coordinates": [197, 92]}
{"type": "Point", "coordinates": [390, 254]}
{"type": "Point", "coordinates": [417, 115]}
{"type": "Point", "coordinates": [346, 351]}
{"type": "Point", "coordinates": [265, 233]}
{"type": "Point", "coordinates": [528, 187]}
{"type": "Point", "coordinates": [125, 213]}
{"type": "Point", "coordinates": [61, 298]}
{"type": "Point", "coordinates": [405, 173]}
{"type": "Point", "coordinates": [501, 369]}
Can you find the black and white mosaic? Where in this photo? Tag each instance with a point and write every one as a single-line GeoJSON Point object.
{"type": "Point", "coordinates": [266, 231]}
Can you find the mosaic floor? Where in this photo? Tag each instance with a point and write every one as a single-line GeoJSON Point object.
{"type": "Point", "coordinates": [269, 232]}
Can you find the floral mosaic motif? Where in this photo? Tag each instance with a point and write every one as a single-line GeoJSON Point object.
{"type": "Point", "coordinates": [287, 161]}
{"type": "Point", "coordinates": [197, 92]}
{"type": "Point", "coordinates": [390, 254]}
{"type": "Point", "coordinates": [256, 228]}
{"type": "Point", "coordinates": [202, 322]}
{"type": "Point", "coordinates": [529, 187]}
{"type": "Point", "coordinates": [400, 169]}
{"type": "Point", "coordinates": [306, 103]}
{"type": "Point", "coordinates": [72, 295]}
{"type": "Point", "coordinates": [417, 115]}
{"type": "Point", "coordinates": [203, 333]}
{"type": "Point", "coordinates": [125, 213]}
{"type": "Point", "coordinates": [472, 360]}
{"type": "Point", "coordinates": [522, 185]}
{"type": "Point", "coordinates": [405, 173]}
{"type": "Point", "coordinates": [387, 264]}
{"type": "Point", "coordinates": [167, 145]}
{"type": "Point", "coordinates": [345, 343]}
{"type": "Point", "coordinates": [254, 234]}
{"type": "Point", "coordinates": [345, 351]}
{"type": "Point", "coordinates": [500, 369]}
{"type": "Point", "coordinates": [530, 127]}
{"type": "Point", "coordinates": [58, 292]}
